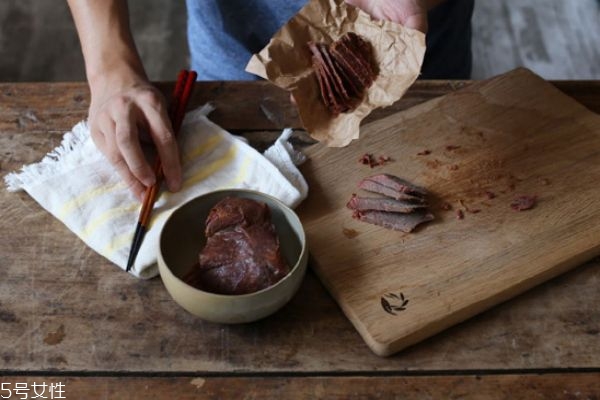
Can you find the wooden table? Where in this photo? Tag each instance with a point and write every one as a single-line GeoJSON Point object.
{"type": "Point", "coordinates": [68, 316]}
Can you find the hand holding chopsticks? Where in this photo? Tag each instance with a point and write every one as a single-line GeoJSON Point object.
{"type": "Point", "coordinates": [181, 94]}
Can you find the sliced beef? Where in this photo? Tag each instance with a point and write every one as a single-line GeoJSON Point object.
{"type": "Point", "coordinates": [376, 187]}
{"type": "Point", "coordinates": [326, 89]}
{"type": "Point", "coordinates": [382, 204]}
{"type": "Point", "coordinates": [393, 220]}
{"type": "Point", "coordinates": [339, 86]}
{"type": "Point", "coordinates": [403, 208]}
{"type": "Point", "coordinates": [344, 70]}
{"type": "Point", "coordinates": [397, 184]}
{"type": "Point", "coordinates": [355, 56]}
{"type": "Point", "coordinates": [352, 84]}
{"type": "Point", "coordinates": [332, 87]}
{"type": "Point", "coordinates": [242, 252]}
{"type": "Point", "coordinates": [394, 187]}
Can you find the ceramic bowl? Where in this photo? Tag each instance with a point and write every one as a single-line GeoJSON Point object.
{"type": "Point", "coordinates": [182, 238]}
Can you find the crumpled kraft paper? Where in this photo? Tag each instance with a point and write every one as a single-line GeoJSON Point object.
{"type": "Point", "coordinates": [286, 61]}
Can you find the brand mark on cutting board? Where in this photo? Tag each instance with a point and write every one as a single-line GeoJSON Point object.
{"type": "Point", "coordinates": [392, 303]}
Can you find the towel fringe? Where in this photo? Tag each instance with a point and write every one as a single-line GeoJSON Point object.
{"type": "Point", "coordinates": [297, 157]}
{"type": "Point", "coordinates": [194, 115]}
{"type": "Point", "coordinates": [54, 162]}
{"type": "Point", "coordinates": [64, 156]}
{"type": "Point", "coordinates": [283, 156]}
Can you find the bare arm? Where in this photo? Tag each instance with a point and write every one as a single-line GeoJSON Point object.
{"type": "Point", "coordinates": [123, 102]}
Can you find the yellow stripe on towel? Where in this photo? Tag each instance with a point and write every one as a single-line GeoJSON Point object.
{"type": "Point", "coordinates": [105, 217]}
{"type": "Point", "coordinates": [118, 242]}
{"type": "Point", "coordinates": [205, 147]}
{"type": "Point", "coordinates": [124, 241]}
{"type": "Point", "coordinates": [241, 175]}
{"type": "Point", "coordinates": [209, 169]}
{"type": "Point", "coordinates": [86, 196]}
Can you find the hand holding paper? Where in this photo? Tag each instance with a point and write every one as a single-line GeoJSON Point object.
{"type": "Point", "coordinates": [410, 13]}
{"type": "Point", "coordinates": [286, 61]}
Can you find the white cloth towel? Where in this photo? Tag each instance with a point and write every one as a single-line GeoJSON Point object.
{"type": "Point", "coordinates": [77, 185]}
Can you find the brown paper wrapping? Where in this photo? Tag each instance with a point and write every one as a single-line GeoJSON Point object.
{"type": "Point", "coordinates": [286, 61]}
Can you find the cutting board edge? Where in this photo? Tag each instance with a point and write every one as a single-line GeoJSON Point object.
{"type": "Point", "coordinates": [389, 344]}
{"type": "Point", "coordinates": [394, 345]}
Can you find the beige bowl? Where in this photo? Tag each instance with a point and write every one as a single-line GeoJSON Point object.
{"type": "Point", "coordinates": [182, 238]}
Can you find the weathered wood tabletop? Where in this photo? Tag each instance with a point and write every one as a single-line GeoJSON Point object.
{"type": "Point", "coordinates": [68, 316]}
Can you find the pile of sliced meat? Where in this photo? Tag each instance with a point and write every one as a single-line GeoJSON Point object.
{"type": "Point", "coordinates": [402, 206]}
{"type": "Point", "coordinates": [242, 252]}
{"type": "Point", "coordinates": [344, 69]}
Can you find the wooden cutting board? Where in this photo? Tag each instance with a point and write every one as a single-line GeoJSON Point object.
{"type": "Point", "coordinates": [516, 135]}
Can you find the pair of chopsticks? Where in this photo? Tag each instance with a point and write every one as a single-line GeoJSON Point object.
{"type": "Point", "coordinates": [181, 94]}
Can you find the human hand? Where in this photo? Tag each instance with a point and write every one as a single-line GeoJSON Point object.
{"type": "Point", "coordinates": [410, 13]}
{"type": "Point", "coordinates": [122, 111]}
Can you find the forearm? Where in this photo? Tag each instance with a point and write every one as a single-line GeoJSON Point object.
{"type": "Point", "coordinates": [106, 41]}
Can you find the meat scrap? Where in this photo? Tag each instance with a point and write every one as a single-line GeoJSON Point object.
{"type": "Point", "coordinates": [490, 195]}
{"type": "Point", "coordinates": [446, 206]}
{"type": "Point", "coordinates": [344, 70]}
{"type": "Point", "coordinates": [367, 159]}
{"type": "Point", "coordinates": [242, 253]}
{"type": "Point", "coordinates": [523, 203]}
{"type": "Point", "coordinates": [403, 207]}
{"type": "Point", "coordinates": [452, 147]}
{"type": "Point", "coordinates": [349, 233]}
{"type": "Point", "coordinates": [370, 160]}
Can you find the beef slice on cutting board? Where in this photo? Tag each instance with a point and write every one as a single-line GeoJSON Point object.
{"type": "Point", "coordinates": [512, 135]}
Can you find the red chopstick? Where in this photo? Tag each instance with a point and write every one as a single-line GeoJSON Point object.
{"type": "Point", "coordinates": [181, 94]}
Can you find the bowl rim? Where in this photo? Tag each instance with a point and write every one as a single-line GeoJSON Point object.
{"type": "Point", "coordinates": [279, 203]}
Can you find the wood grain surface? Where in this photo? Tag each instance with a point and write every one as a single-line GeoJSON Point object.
{"type": "Point", "coordinates": [65, 311]}
{"type": "Point", "coordinates": [511, 136]}
{"type": "Point", "coordinates": [240, 106]}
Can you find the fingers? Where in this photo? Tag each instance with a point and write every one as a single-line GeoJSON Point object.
{"type": "Point", "coordinates": [135, 186]}
{"type": "Point", "coordinates": [115, 128]}
{"type": "Point", "coordinates": [128, 145]}
{"type": "Point", "coordinates": [162, 135]}
{"type": "Point", "coordinates": [410, 13]}
{"type": "Point", "coordinates": [108, 147]}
